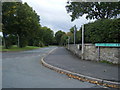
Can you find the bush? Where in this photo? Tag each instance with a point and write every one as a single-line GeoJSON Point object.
{"type": "Point", "coordinates": [103, 31]}
{"type": "Point", "coordinates": [38, 43]}
{"type": "Point", "coordinates": [41, 44]}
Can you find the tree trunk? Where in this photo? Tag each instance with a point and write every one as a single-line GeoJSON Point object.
{"type": "Point", "coordinates": [18, 43]}
{"type": "Point", "coordinates": [4, 41]}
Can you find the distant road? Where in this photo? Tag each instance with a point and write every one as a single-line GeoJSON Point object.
{"type": "Point", "coordinates": [24, 70]}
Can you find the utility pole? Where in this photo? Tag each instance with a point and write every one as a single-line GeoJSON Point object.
{"type": "Point", "coordinates": [83, 41]}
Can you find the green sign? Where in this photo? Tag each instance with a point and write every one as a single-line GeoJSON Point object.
{"type": "Point", "coordinates": [108, 44]}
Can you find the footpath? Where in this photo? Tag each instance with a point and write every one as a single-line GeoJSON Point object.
{"type": "Point", "coordinates": [96, 72]}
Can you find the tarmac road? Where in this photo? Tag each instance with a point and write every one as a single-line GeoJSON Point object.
{"type": "Point", "coordinates": [64, 59]}
{"type": "Point", "coordinates": [24, 70]}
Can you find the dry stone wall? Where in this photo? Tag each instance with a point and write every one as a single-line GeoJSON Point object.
{"type": "Point", "coordinates": [91, 52]}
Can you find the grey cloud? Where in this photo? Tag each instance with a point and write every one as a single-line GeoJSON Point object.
{"type": "Point", "coordinates": [54, 15]}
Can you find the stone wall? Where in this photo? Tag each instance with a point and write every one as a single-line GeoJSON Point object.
{"type": "Point", "coordinates": [75, 49]}
{"type": "Point", "coordinates": [110, 54]}
{"type": "Point", "coordinates": [91, 52]}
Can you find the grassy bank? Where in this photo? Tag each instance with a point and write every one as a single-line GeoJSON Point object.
{"type": "Point", "coordinates": [15, 48]}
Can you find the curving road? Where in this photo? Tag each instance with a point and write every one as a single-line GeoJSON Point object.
{"type": "Point", "coordinates": [24, 70]}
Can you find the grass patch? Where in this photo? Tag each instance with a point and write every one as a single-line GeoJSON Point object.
{"type": "Point", "coordinates": [15, 48]}
{"type": "Point", "coordinates": [104, 61]}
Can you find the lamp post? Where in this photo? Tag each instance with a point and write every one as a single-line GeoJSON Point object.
{"type": "Point", "coordinates": [83, 41]}
{"type": "Point", "coordinates": [74, 34]}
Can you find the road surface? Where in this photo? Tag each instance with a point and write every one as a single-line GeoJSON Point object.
{"type": "Point", "coordinates": [24, 70]}
{"type": "Point", "coordinates": [64, 59]}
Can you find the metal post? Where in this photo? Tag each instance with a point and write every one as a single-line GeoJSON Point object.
{"type": "Point", "coordinates": [74, 33]}
{"type": "Point", "coordinates": [98, 53]}
{"type": "Point", "coordinates": [82, 41]}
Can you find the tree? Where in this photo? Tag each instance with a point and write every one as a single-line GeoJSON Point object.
{"type": "Point", "coordinates": [72, 29]}
{"type": "Point", "coordinates": [37, 39]}
{"type": "Point", "coordinates": [58, 36]}
{"type": "Point", "coordinates": [48, 35]}
{"type": "Point", "coordinates": [21, 20]}
{"type": "Point", "coordinates": [8, 10]}
{"type": "Point", "coordinates": [103, 31]}
{"type": "Point", "coordinates": [70, 34]}
{"type": "Point", "coordinates": [27, 23]}
{"type": "Point", "coordinates": [100, 31]}
{"type": "Point", "coordinates": [93, 10]}
{"type": "Point", "coordinates": [78, 37]}
{"type": "Point", "coordinates": [64, 39]}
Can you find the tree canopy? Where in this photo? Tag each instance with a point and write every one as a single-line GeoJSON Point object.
{"type": "Point", "coordinates": [100, 31]}
{"type": "Point", "coordinates": [48, 35]}
{"type": "Point", "coordinates": [103, 31]}
{"type": "Point", "coordinates": [22, 24]}
{"type": "Point", "coordinates": [93, 10]}
{"type": "Point", "coordinates": [58, 36]}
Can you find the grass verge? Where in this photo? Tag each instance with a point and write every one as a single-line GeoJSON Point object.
{"type": "Point", "coordinates": [15, 48]}
{"type": "Point", "coordinates": [104, 61]}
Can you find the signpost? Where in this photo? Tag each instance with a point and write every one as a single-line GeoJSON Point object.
{"type": "Point", "coordinates": [107, 44]}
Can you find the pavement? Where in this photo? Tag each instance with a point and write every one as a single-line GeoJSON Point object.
{"type": "Point", "coordinates": [64, 59]}
{"type": "Point", "coordinates": [24, 70]}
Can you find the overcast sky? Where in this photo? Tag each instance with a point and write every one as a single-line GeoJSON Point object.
{"type": "Point", "coordinates": [53, 14]}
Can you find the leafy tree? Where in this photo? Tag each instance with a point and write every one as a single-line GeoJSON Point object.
{"type": "Point", "coordinates": [37, 39]}
{"type": "Point", "coordinates": [47, 35]}
{"type": "Point", "coordinates": [103, 31]}
{"type": "Point", "coordinates": [70, 35]}
{"type": "Point", "coordinates": [7, 15]}
{"type": "Point", "coordinates": [72, 29]}
{"type": "Point", "coordinates": [78, 37]}
{"type": "Point", "coordinates": [21, 20]}
{"type": "Point", "coordinates": [100, 31]}
{"type": "Point", "coordinates": [28, 23]}
{"type": "Point", "coordinates": [58, 36]}
{"type": "Point", "coordinates": [93, 10]}
{"type": "Point", "coordinates": [64, 39]}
